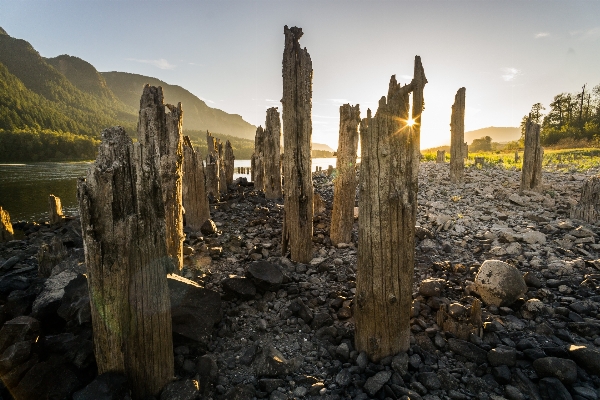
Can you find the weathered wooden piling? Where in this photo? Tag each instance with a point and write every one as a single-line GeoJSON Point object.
{"type": "Point", "coordinates": [465, 151]}
{"type": "Point", "coordinates": [271, 155]}
{"type": "Point", "coordinates": [257, 161]}
{"type": "Point", "coordinates": [457, 137]}
{"type": "Point", "coordinates": [6, 229]}
{"type": "Point", "coordinates": [531, 173]}
{"type": "Point", "coordinates": [222, 173]}
{"type": "Point", "coordinates": [124, 232]}
{"type": "Point", "coordinates": [344, 190]}
{"type": "Point", "coordinates": [55, 209]}
{"type": "Point", "coordinates": [160, 126]}
{"type": "Point", "coordinates": [440, 157]}
{"type": "Point", "coordinates": [228, 163]}
{"type": "Point", "coordinates": [479, 161]}
{"type": "Point", "coordinates": [195, 200]}
{"type": "Point", "coordinates": [297, 132]}
{"type": "Point", "coordinates": [388, 209]}
{"type": "Point", "coordinates": [588, 208]}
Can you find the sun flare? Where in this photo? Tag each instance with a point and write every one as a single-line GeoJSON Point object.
{"type": "Point", "coordinates": [410, 122]}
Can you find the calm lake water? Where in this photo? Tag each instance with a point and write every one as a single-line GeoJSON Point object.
{"type": "Point", "coordinates": [24, 188]}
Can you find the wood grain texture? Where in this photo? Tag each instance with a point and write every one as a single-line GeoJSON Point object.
{"type": "Point", "coordinates": [272, 155]}
{"type": "Point", "coordinates": [457, 137]}
{"type": "Point", "coordinates": [531, 173]}
{"type": "Point", "coordinates": [195, 200]}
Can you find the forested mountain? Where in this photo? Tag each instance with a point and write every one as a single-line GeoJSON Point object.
{"type": "Point", "coordinates": [498, 134]}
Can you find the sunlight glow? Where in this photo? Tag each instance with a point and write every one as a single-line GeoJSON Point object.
{"type": "Point", "coordinates": [410, 122]}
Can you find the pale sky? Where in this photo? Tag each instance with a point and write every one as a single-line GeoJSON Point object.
{"type": "Point", "coordinates": [508, 54]}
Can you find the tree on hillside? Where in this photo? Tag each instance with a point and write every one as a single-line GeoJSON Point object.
{"type": "Point", "coordinates": [482, 144]}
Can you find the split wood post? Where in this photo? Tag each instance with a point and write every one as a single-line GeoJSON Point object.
{"type": "Point", "coordinates": [388, 209]}
{"type": "Point", "coordinates": [229, 162]}
{"type": "Point", "coordinates": [457, 137]}
{"type": "Point", "coordinates": [6, 229]}
{"type": "Point", "coordinates": [517, 158]}
{"type": "Point", "coordinates": [257, 164]}
{"type": "Point", "coordinates": [271, 153]}
{"type": "Point", "coordinates": [588, 208]}
{"type": "Point", "coordinates": [195, 200]}
{"type": "Point", "coordinates": [212, 167]}
{"type": "Point", "coordinates": [55, 209]}
{"type": "Point", "coordinates": [465, 150]}
{"type": "Point", "coordinates": [297, 133]}
{"type": "Point", "coordinates": [344, 189]}
{"type": "Point", "coordinates": [221, 164]}
{"type": "Point", "coordinates": [160, 127]}
{"type": "Point", "coordinates": [440, 157]}
{"type": "Point", "coordinates": [123, 225]}
{"type": "Point", "coordinates": [479, 161]}
{"type": "Point", "coordinates": [531, 173]}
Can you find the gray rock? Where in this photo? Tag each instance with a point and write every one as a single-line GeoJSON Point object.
{"type": "Point", "coordinates": [240, 392]}
{"type": "Point", "coordinates": [561, 368]}
{"type": "Point", "coordinates": [376, 382]}
{"type": "Point", "coordinates": [108, 386]}
{"type": "Point", "coordinates": [11, 262]}
{"type": "Point", "coordinates": [430, 380]}
{"type": "Point", "coordinates": [532, 280]}
{"type": "Point", "coordinates": [75, 304]}
{"type": "Point", "coordinates": [268, 385]}
{"type": "Point", "coordinates": [585, 392]}
{"type": "Point", "coordinates": [343, 378]}
{"type": "Point", "coordinates": [180, 390]}
{"type": "Point", "coordinates": [265, 276]}
{"type": "Point", "coordinates": [50, 298]}
{"type": "Point", "coordinates": [553, 389]}
{"type": "Point", "coordinates": [239, 287]}
{"type": "Point", "coordinates": [343, 352]}
{"type": "Point", "coordinates": [502, 355]}
{"type": "Point", "coordinates": [468, 350]}
{"type": "Point", "coordinates": [18, 329]}
{"type": "Point", "coordinates": [208, 227]}
{"type": "Point", "coordinates": [362, 360]}
{"type": "Point", "coordinates": [513, 393]}
{"type": "Point", "coordinates": [431, 287]}
{"type": "Point", "coordinates": [15, 355]}
{"type": "Point", "coordinates": [586, 356]}
{"type": "Point", "coordinates": [400, 363]}
{"type": "Point", "coordinates": [499, 283]}
{"type": "Point", "coordinates": [270, 362]}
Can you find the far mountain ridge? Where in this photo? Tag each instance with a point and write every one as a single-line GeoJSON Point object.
{"type": "Point", "coordinates": [498, 134]}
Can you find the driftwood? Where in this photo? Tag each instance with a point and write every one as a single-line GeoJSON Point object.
{"type": "Point", "coordinates": [531, 173]}
{"type": "Point", "coordinates": [123, 224]}
{"type": "Point", "coordinates": [195, 200]}
{"type": "Point", "coordinates": [297, 131]}
{"type": "Point", "coordinates": [344, 191]}
{"type": "Point", "coordinates": [55, 209]}
{"type": "Point", "coordinates": [457, 137]}
{"type": "Point", "coordinates": [6, 229]}
{"type": "Point", "coordinates": [588, 208]}
{"type": "Point", "coordinates": [271, 155]}
{"type": "Point", "coordinates": [388, 210]}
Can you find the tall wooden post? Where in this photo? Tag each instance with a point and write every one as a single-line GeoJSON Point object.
{"type": "Point", "coordinates": [272, 151]}
{"type": "Point", "coordinates": [212, 167]}
{"type": "Point", "coordinates": [195, 201]}
{"type": "Point", "coordinates": [6, 229]}
{"type": "Point", "coordinates": [55, 209]}
{"type": "Point", "coordinates": [257, 165]}
{"type": "Point", "coordinates": [228, 163]}
{"type": "Point", "coordinates": [531, 173]}
{"type": "Point", "coordinates": [123, 225]}
{"type": "Point", "coordinates": [162, 124]}
{"type": "Point", "coordinates": [588, 208]}
{"type": "Point", "coordinates": [297, 133]}
{"type": "Point", "coordinates": [344, 190]}
{"type": "Point", "coordinates": [221, 164]}
{"type": "Point", "coordinates": [457, 137]}
{"type": "Point", "coordinates": [440, 157]}
{"type": "Point", "coordinates": [388, 209]}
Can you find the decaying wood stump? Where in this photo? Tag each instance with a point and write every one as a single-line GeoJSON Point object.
{"type": "Point", "coordinates": [49, 255]}
{"type": "Point", "coordinates": [457, 137]}
{"type": "Point", "coordinates": [123, 224]}
{"type": "Point", "coordinates": [440, 157]}
{"type": "Point", "coordinates": [257, 165]}
{"type": "Point", "coordinates": [465, 151]}
{"type": "Point", "coordinates": [531, 173]}
{"type": "Point", "coordinates": [517, 158]}
{"type": "Point", "coordinates": [479, 161]}
{"type": "Point", "coordinates": [297, 133]}
{"type": "Point", "coordinates": [161, 124]}
{"type": "Point", "coordinates": [344, 191]}
{"type": "Point", "coordinates": [55, 209]}
{"type": "Point", "coordinates": [212, 177]}
{"type": "Point", "coordinates": [6, 229]}
{"type": "Point", "coordinates": [222, 174]}
{"type": "Point", "coordinates": [271, 155]}
{"type": "Point", "coordinates": [588, 208]}
{"type": "Point", "coordinates": [228, 163]}
{"type": "Point", "coordinates": [388, 209]}
{"type": "Point", "coordinates": [464, 325]}
{"type": "Point", "coordinates": [195, 200]}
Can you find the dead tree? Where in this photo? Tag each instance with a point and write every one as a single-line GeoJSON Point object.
{"type": "Point", "coordinates": [228, 163]}
{"type": "Point", "coordinates": [344, 191]}
{"type": "Point", "coordinates": [531, 173]}
{"type": "Point", "coordinates": [195, 201]}
{"type": "Point", "coordinates": [162, 124]}
{"type": "Point", "coordinates": [440, 157]}
{"type": "Point", "coordinates": [388, 209]}
{"type": "Point", "coordinates": [55, 209]}
{"type": "Point", "coordinates": [123, 224]}
{"type": "Point", "coordinates": [588, 208]}
{"type": "Point", "coordinates": [271, 155]}
{"type": "Point", "coordinates": [6, 229]}
{"type": "Point", "coordinates": [257, 164]}
{"type": "Point", "coordinates": [457, 133]}
{"type": "Point", "coordinates": [297, 132]}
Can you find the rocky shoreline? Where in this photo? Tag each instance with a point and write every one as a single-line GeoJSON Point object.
{"type": "Point", "coordinates": [256, 325]}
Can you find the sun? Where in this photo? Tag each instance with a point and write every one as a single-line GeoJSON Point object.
{"type": "Point", "coordinates": [410, 122]}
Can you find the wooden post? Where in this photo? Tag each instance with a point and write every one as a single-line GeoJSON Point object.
{"type": "Point", "coordinates": [55, 209]}
{"type": "Point", "coordinates": [344, 190]}
{"type": "Point", "coordinates": [271, 152]}
{"type": "Point", "coordinates": [160, 127]}
{"type": "Point", "coordinates": [465, 150]}
{"type": "Point", "coordinates": [228, 162]}
{"type": "Point", "coordinates": [457, 137]}
{"type": "Point", "coordinates": [6, 229]}
{"type": "Point", "coordinates": [195, 201]}
{"type": "Point", "coordinates": [588, 208]}
{"type": "Point", "coordinates": [517, 158]}
{"type": "Point", "coordinates": [123, 225]}
{"type": "Point", "coordinates": [479, 161]}
{"type": "Point", "coordinates": [297, 132]}
{"type": "Point", "coordinates": [531, 173]}
{"type": "Point", "coordinates": [440, 157]}
{"type": "Point", "coordinates": [388, 209]}
{"type": "Point", "coordinates": [258, 167]}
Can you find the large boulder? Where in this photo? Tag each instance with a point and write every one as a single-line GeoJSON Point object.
{"type": "Point", "coordinates": [266, 276]}
{"type": "Point", "coordinates": [46, 304]}
{"type": "Point", "coordinates": [586, 356]}
{"type": "Point", "coordinates": [108, 386]}
{"type": "Point", "coordinates": [194, 310]}
{"type": "Point", "coordinates": [499, 283]}
{"type": "Point", "coordinates": [18, 329]}
{"type": "Point", "coordinates": [75, 304]}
